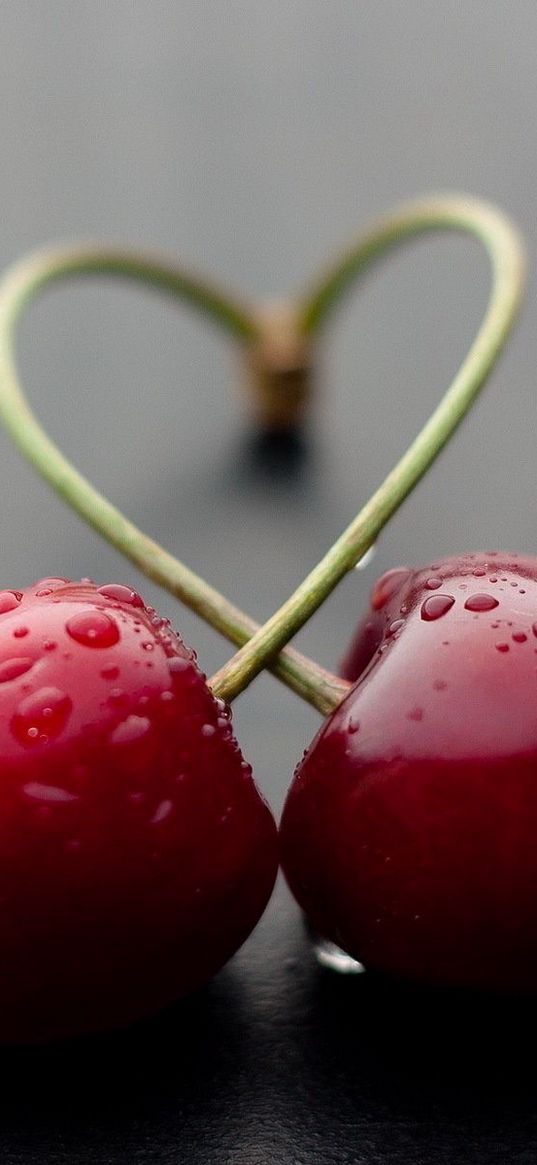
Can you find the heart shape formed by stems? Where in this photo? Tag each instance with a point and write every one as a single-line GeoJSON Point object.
{"type": "Point", "coordinates": [265, 646]}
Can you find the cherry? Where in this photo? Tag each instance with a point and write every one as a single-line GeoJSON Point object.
{"type": "Point", "coordinates": [409, 833]}
{"type": "Point", "coordinates": [136, 853]}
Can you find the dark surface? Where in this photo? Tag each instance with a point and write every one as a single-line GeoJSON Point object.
{"type": "Point", "coordinates": [252, 139]}
{"type": "Point", "coordinates": [277, 1061]}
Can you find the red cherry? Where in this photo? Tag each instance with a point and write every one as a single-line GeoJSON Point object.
{"type": "Point", "coordinates": [409, 833]}
{"type": "Point", "coordinates": [136, 853]}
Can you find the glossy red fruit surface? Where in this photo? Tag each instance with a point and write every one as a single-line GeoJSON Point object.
{"type": "Point", "coordinates": [409, 835]}
{"type": "Point", "coordinates": [136, 853]}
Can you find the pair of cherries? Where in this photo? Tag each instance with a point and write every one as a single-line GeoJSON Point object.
{"type": "Point", "coordinates": [136, 853]}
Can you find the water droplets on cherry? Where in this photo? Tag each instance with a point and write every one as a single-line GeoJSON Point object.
{"type": "Point", "coordinates": [93, 629]}
{"type": "Point", "coordinates": [130, 730]}
{"type": "Point", "coordinates": [162, 812]}
{"type": "Point", "coordinates": [9, 601]}
{"type": "Point", "coordinates": [121, 594]}
{"type": "Point", "coordinates": [41, 715]}
{"type": "Point", "coordinates": [436, 606]}
{"type": "Point", "coordinates": [481, 602]}
{"type": "Point", "coordinates": [48, 794]}
{"type": "Point", "coordinates": [11, 669]}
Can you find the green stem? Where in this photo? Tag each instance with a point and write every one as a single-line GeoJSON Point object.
{"type": "Point", "coordinates": [504, 248]}
{"type": "Point", "coordinates": [19, 285]}
{"type": "Point", "coordinates": [305, 677]}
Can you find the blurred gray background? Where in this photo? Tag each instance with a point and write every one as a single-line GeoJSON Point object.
{"type": "Point", "coordinates": [251, 139]}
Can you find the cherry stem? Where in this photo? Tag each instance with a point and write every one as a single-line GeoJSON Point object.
{"type": "Point", "coordinates": [264, 647]}
{"type": "Point", "coordinates": [505, 251]}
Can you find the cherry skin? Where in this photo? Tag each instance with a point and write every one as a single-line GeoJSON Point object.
{"type": "Point", "coordinates": [136, 853]}
{"type": "Point", "coordinates": [409, 835]}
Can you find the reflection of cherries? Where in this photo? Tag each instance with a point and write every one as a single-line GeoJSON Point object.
{"type": "Point", "coordinates": [409, 835]}
{"type": "Point", "coordinates": [135, 852]}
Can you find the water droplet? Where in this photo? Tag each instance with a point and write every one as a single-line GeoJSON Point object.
{"type": "Point", "coordinates": [534, 628]}
{"type": "Point", "coordinates": [162, 812]}
{"type": "Point", "coordinates": [493, 578]}
{"type": "Point", "coordinates": [43, 592]}
{"type": "Point", "coordinates": [9, 600]}
{"type": "Point", "coordinates": [436, 606]}
{"type": "Point", "coordinates": [519, 637]}
{"type": "Point", "coordinates": [208, 730]}
{"type": "Point", "coordinates": [353, 725]}
{"type": "Point", "coordinates": [49, 645]}
{"type": "Point", "coordinates": [93, 629]}
{"type": "Point", "coordinates": [51, 583]}
{"type": "Point", "coordinates": [366, 558]}
{"type": "Point", "coordinates": [44, 712]}
{"type": "Point", "coordinates": [178, 665]}
{"type": "Point", "coordinates": [395, 627]}
{"type": "Point", "coordinates": [110, 672]}
{"type": "Point", "coordinates": [167, 697]}
{"type": "Point", "coordinates": [481, 603]}
{"type": "Point", "coordinates": [11, 669]}
{"type": "Point", "coordinates": [479, 572]}
{"type": "Point", "coordinates": [116, 695]}
{"type": "Point", "coordinates": [433, 584]}
{"type": "Point", "coordinates": [148, 645]}
{"type": "Point", "coordinates": [49, 794]}
{"type": "Point", "coordinates": [387, 586]}
{"type": "Point", "coordinates": [20, 632]}
{"type": "Point", "coordinates": [503, 647]}
{"type": "Point", "coordinates": [130, 730]}
{"type": "Point", "coordinates": [122, 594]}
